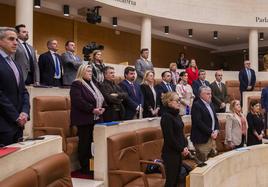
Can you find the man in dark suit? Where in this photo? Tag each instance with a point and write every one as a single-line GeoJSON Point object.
{"type": "Point", "coordinates": [247, 79]}
{"type": "Point", "coordinates": [201, 81]}
{"type": "Point", "coordinates": [71, 63]}
{"type": "Point", "coordinates": [50, 65]}
{"type": "Point", "coordinates": [14, 98]}
{"type": "Point", "coordinates": [182, 62]}
{"type": "Point", "coordinates": [143, 64]}
{"type": "Point", "coordinates": [26, 58]}
{"type": "Point", "coordinates": [164, 87]}
{"type": "Point", "coordinates": [134, 103]}
{"type": "Point", "coordinates": [114, 96]}
{"type": "Point", "coordinates": [219, 93]}
{"type": "Point", "coordinates": [205, 125]}
{"type": "Point", "coordinates": [264, 105]}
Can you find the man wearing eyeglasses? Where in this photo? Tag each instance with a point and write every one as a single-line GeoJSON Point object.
{"type": "Point", "coordinates": [219, 93]}
{"type": "Point", "coordinates": [14, 98]}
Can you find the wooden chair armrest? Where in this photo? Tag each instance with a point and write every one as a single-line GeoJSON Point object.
{"type": "Point", "coordinates": [137, 173]}
{"type": "Point", "coordinates": [161, 165]}
{"type": "Point", "coordinates": [50, 130]}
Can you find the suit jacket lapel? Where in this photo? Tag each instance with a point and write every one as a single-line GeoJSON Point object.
{"type": "Point", "coordinates": [205, 108]}
{"type": "Point", "coordinates": [51, 60]}
{"type": "Point", "coordinates": [8, 68]}
{"type": "Point", "coordinates": [24, 52]}
{"type": "Point", "coordinates": [164, 86]}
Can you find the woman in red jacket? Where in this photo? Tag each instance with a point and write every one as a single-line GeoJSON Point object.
{"type": "Point", "coordinates": [192, 71]}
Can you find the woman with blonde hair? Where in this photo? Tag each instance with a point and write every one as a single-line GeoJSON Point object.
{"type": "Point", "coordinates": [174, 140]}
{"type": "Point", "coordinates": [236, 126]}
{"type": "Point", "coordinates": [87, 107]}
{"type": "Point", "coordinates": [174, 74]}
{"type": "Point", "coordinates": [151, 106]}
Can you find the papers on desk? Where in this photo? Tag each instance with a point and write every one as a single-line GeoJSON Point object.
{"type": "Point", "coordinates": [109, 123]}
{"type": "Point", "coordinates": [7, 150]}
{"type": "Point", "coordinates": [243, 149]}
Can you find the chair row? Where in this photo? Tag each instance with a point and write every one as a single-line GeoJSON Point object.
{"type": "Point", "coordinates": [53, 171]}
{"type": "Point", "coordinates": [130, 152]}
{"type": "Point", "coordinates": [233, 88]}
{"type": "Point", "coordinates": [51, 116]}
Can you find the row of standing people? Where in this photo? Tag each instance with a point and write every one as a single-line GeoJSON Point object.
{"type": "Point", "coordinates": [205, 130]}
{"type": "Point", "coordinates": [51, 68]}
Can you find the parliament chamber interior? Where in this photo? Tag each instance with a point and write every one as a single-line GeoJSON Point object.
{"type": "Point", "coordinates": [133, 93]}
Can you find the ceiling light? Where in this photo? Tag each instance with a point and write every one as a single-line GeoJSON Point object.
{"type": "Point", "coordinates": [166, 29]}
{"type": "Point", "coordinates": [66, 10]}
{"type": "Point", "coordinates": [114, 21]}
{"type": "Point", "coordinates": [215, 35]}
{"type": "Point", "coordinates": [37, 3]}
{"type": "Point", "coordinates": [190, 33]}
{"type": "Point", "coordinates": [261, 37]}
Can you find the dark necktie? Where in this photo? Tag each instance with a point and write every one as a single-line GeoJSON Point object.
{"type": "Point", "coordinates": [57, 65]}
{"type": "Point", "coordinates": [219, 85]}
{"type": "Point", "coordinates": [30, 57]}
{"type": "Point", "coordinates": [169, 87]}
{"type": "Point", "coordinates": [133, 89]}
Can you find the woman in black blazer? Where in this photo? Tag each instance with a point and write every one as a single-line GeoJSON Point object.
{"type": "Point", "coordinates": [174, 140]}
{"type": "Point", "coordinates": [87, 107]}
{"type": "Point", "coordinates": [151, 106]}
{"type": "Point", "coordinates": [256, 125]}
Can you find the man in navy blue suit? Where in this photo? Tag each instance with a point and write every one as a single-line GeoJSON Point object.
{"type": "Point", "coordinates": [201, 81]}
{"type": "Point", "coordinates": [264, 104]}
{"type": "Point", "coordinates": [134, 102]}
{"type": "Point", "coordinates": [50, 65]}
{"type": "Point", "coordinates": [164, 87]}
{"type": "Point", "coordinates": [247, 79]}
{"type": "Point", "coordinates": [14, 98]}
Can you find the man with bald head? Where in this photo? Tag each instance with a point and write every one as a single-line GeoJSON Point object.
{"type": "Point", "coordinates": [219, 93]}
{"type": "Point", "coordinates": [50, 65]}
{"type": "Point", "coordinates": [14, 98]}
{"type": "Point", "coordinates": [205, 124]}
{"type": "Point", "coordinates": [247, 79]}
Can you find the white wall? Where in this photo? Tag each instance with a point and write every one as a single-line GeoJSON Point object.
{"type": "Point", "coordinates": [220, 12]}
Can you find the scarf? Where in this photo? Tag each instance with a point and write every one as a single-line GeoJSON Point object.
{"type": "Point", "coordinates": [98, 71]}
{"type": "Point", "coordinates": [243, 123]}
{"type": "Point", "coordinates": [97, 95]}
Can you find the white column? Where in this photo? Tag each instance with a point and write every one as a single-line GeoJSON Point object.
{"type": "Point", "coordinates": [146, 34]}
{"type": "Point", "coordinates": [253, 49]}
{"type": "Point", "coordinates": [24, 15]}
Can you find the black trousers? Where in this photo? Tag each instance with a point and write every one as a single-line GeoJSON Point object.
{"type": "Point", "coordinates": [85, 135]}
{"type": "Point", "coordinates": [30, 79]}
{"type": "Point", "coordinates": [7, 138]}
{"type": "Point", "coordinates": [172, 163]}
{"type": "Point", "coordinates": [57, 82]}
{"type": "Point", "coordinates": [242, 142]}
